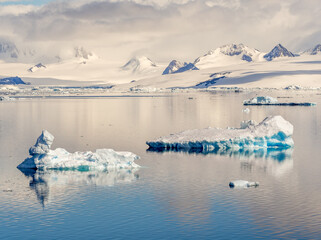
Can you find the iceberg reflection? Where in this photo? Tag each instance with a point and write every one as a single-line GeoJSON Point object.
{"type": "Point", "coordinates": [47, 183]}
{"type": "Point", "coordinates": [273, 161]}
{"type": "Point", "coordinates": [269, 153]}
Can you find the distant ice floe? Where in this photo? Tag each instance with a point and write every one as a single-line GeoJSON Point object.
{"type": "Point", "coordinates": [243, 184]}
{"type": "Point", "coordinates": [260, 100]}
{"type": "Point", "coordinates": [273, 132]}
{"type": "Point", "coordinates": [266, 100]}
{"type": "Point", "coordinates": [5, 99]}
{"type": "Point", "coordinates": [43, 158]}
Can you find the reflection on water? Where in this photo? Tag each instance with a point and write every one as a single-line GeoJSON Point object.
{"type": "Point", "coordinates": [45, 182]}
{"type": "Point", "coordinates": [268, 153]}
{"type": "Point", "coordinates": [273, 161]}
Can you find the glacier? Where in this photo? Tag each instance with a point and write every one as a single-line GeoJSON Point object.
{"type": "Point", "coordinates": [43, 158]}
{"type": "Point", "coordinates": [273, 132]}
{"type": "Point", "coordinates": [266, 100]}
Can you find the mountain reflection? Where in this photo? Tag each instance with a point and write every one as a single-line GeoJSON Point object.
{"type": "Point", "coordinates": [45, 183]}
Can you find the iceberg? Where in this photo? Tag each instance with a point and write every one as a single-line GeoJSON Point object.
{"type": "Point", "coordinates": [273, 132]}
{"type": "Point", "coordinates": [43, 158]}
{"type": "Point", "coordinates": [266, 100]}
{"type": "Point", "coordinates": [243, 184]}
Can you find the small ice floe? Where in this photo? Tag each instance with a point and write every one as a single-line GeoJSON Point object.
{"type": "Point", "coordinates": [6, 98]}
{"type": "Point", "coordinates": [243, 184]}
{"type": "Point", "coordinates": [42, 157]}
{"type": "Point", "coordinates": [293, 87]}
{"type": "Point", "coordinates": [246, 110]}
{"type": "Point", "coordinates": [7, 190]}
{"type": "Point", "coordinates": [273, 132]}
{"type": "Point", "coordinates": [266, 100]}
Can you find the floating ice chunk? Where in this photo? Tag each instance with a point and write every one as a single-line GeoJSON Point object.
{"type": "Point", "coordinates": [243, 184]}
{"type": "Point", "coordinates": [273, 101]}
{"type": "Point", "coordinates": [103, 159]}
{"type": "Point", "coordinates": [246, 110]}
{"type": "Point", "coordinates": [261, 101]}
{"type": "Point", "coordinates": [43, 144]}
{"type": "Point", "coordinates": [272, 132]}
{"type": "Point", "coordinates": [293, 87]}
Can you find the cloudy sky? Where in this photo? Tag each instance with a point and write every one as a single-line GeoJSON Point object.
{"type": "Point", "coordinates": [162, 30]}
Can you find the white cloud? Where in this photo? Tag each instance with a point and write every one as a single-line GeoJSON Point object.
{"type": "Point", "coordinates": [165, 29]}
{"type": "Point", "coordinates": [16, 9]}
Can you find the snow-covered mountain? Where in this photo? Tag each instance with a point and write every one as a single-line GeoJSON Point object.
{"type": "Point", "coordinates": [8, 50]}
{"type": "Point", "coordinates": [139, 65]}
{"type": "Point", "coordinates": [316, 50]}
{"type": "Point", "coordinates": [178, 67]}
{"type": "Point", "coordinates": [278, 51]}
{"type": "Point", "coordinates": [36, 67]}
{"type": "Point", "coordinates": [10, 53]}
{"type": "Point", "coordinates": [227, 55]}
{"type": "Point", "coordinates": [173, 66]}
{"type": "Point", "coordinates": [81, 52]}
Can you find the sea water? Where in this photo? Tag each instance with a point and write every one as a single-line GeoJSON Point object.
{"type": "Point", "coordinates": [175, 195]}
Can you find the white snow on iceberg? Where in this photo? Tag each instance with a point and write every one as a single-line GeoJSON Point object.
{"type": "Point", "coordinates": [42, 157]}
{"type": "Point", "coordinates": [273, 132]}
{"type": "Point", "coordinates": [266, 100]}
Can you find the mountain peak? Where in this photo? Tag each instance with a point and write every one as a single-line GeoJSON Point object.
{"type": "Point", "coordinates": [278, 51]}
{"type": "Point", "coordinates": [139, 64]}
{"type": "Point", "coordinates": [316, 50]}
{"type": "Point", "coordinates": [36, 67]}
{"type": "Point", "coordinates": [8, 50]}
{"type": "Point", "coordinates": [81, 52]}
{"type": "Point", "coordinates": [226, 55]}
{"type": "Point", "coordinates": [178, 67]}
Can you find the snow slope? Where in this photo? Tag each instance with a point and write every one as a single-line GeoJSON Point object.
{"type": "Point", "coordinates": [223, 67]}
{"type": "Point", "coordinates": [139, 65]}
{"type": "Point", "coordinates": [228, 55]}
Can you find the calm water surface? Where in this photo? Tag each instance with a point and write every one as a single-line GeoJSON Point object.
{"type": "Point", "coordinates": [174, 195]}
